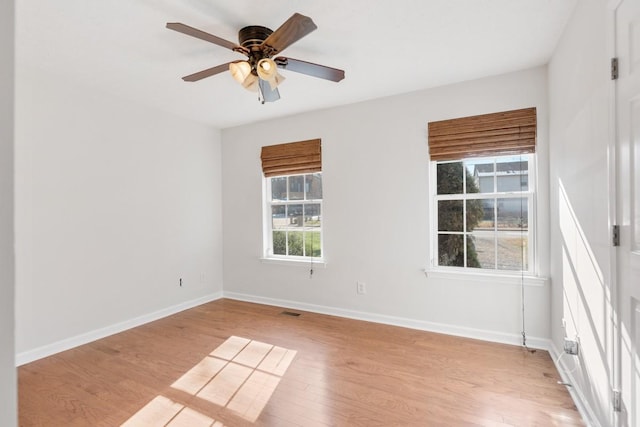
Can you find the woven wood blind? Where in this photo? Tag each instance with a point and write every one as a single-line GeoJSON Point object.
{"type": "Point", "coordinates": [292, 158]}
{"type": "Point", "coordinates": [508, 132]}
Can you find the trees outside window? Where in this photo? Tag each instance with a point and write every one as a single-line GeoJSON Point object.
{"type": "Point", "coordinates": [483, 207]}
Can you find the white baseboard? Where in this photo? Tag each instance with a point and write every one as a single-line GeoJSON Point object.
{"type": "Point", "coordinates": [574, 390]}
{"type": "Point", "coordinates": [66, 344]}
{"type": "Point", "coordinates": [461, 331]}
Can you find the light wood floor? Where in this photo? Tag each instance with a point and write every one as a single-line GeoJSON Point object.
{"type": "Point", "coordinates": [234, 362]}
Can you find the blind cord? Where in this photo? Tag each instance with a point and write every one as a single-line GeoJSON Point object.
{"type": "Point", "coordinates": [522, 255]}
{"type": "Point", "coordinates": [311, 261]}
{"type": "Point", "coordinates": [311, 258]}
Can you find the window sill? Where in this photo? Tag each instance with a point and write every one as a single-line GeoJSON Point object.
{"type": "Point", "coordinates": [294, 262]}
{"type": "Point", "coordinates": [508, 279]}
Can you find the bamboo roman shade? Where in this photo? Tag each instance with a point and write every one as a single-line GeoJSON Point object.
{"type": "Point", "coordinates": [292, 158]}
{"type": "Point", "coordinates": [508, 132]}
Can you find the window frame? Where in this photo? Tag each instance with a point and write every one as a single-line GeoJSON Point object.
{"type": "Point", "coordinates": [530, 195]}
{"type": "Point", "coordinates": [268, 203]}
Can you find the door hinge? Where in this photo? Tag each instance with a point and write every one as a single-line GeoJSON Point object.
{"type": "Point", "coordinates": [617, 401]}
{"type": "Point", "coordinates": [614, 68]}
{"type": "Point", "coordinates": [615, 235]}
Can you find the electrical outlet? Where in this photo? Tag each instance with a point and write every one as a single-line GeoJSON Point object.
{"type": "Point", "coordinates": [361, 288]}
{"type": "Point", "coordinates": [571, 347]}
{"type": "Point", "coordinates": [202, 277]}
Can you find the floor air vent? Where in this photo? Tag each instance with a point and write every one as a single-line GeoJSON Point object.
{"type": "Point", "coordinates": [290, 313]}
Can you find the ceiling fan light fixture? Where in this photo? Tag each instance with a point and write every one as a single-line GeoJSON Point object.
{"type": "Point", "coordinates": [258, 44]}
{"type": "Point", "coordinates": [268, 71]}
{"type": "Point", "coordinates": [276, 80]}
{"type": "Point", "coordinates": [240, 71]}
{"type": "Point", "coordinates": [251, 83]}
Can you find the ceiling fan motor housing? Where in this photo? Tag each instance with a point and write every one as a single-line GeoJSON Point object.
{"type": "Point", "coordinates": [251, 38]}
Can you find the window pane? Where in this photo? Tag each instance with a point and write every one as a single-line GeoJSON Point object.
{"type": "Point", "coordinates": [484, 245]}
{"type": "Point", "coordinates": [314, 186]}
{"type": "Point", "coordinates": [472, 256]}
{"type": "Point", "coordinates": [488, 215]}
{"type": "Point", "coordinates": [449, 179]}
{"type": "Point", "coordinates": [483, 173]}
{"type": "Point", "coordinates": [475, 214]}
{"type": "Point", "coordinates": [278, 217]}
{"type": "Point", "coordinates": [312, 216]}
{"type": "Point", "coordinates": [483, 233]}
{"type": "Point", "coordinates": [296, 187]}
{"type": "Point", "coordinates": [295, 243]}
{"type": "Point", "coordinates": [512, 251]}
{"type": "Point", "coordinates": [294, 215]}
{"type": "Point", "coordinates": [450, 215]}
{"type": "Point", "coordinates": [512, 174]}
{"type": "Point", "coordinates": [279, 243]}
{"type": "Point", "coordinates": [451, 250]}
{"type": "Point", "coordinates": [312, 244]}
{"type": "Point", "coordinates": [296, 228]}
{"type": "Point", "coordinates": [279, 188]}
{"type": "Point", "coordinates": [513, 213]}
{"type": "Point", "coordinates": [473, 178]}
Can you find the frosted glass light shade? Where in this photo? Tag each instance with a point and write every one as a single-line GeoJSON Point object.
{"type": "Point", "coordinates": [268, 71]}
{"type": "Point", "coordinates": [251, 83]}
{"type": "Point", "coordinates": [240, 71]}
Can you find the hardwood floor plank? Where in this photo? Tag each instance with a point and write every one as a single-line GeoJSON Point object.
{"type": "Point", "coordinates": [235, 364]}
{"type": "Point", "coordinates": [277, 361]}
{"type": "Point", "coordinates": [159, 412]}
{"type": "Point", "coordinates": [253, 395]}
{"type": "Point", "coordinates": [190, 418]}
{"type": "Point", "coordinates": [253, 354]}
{"type": "Point", "coordinates": [230, 348]}
{"type": "Point", "coordinates": [224, 385]}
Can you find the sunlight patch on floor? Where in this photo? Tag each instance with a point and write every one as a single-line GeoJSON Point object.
{"type": "Point", "coordinates": [165, 412]}
{"type": "Point", "coordinates": [240, 375]}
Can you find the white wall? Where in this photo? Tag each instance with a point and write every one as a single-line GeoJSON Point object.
{"type": "Point", "coordinates": [8, 407]}
{"type": "Point", "coordinates": [579, 85]}
{"type": "Point", "coordinates": [376, 218]}
{"type": "Point", "coordinates": [114, 204]}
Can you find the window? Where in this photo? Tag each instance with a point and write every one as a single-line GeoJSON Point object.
{"type": "Point", "coordinates": [482, 193]}
{"type": "Point", "coordinates": [294, 206]}
{"type": "Point", "coordinates": [293, 200]}
{"type": "Point", "coordinates": [483, 209]}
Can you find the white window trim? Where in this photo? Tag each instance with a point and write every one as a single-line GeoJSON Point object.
{"type": "Point", "coordinates": [504, 276]}
{"type": "Point", "coordinates": [267, 238]}
{"type": "Point", "coordinates": [488, 276]}
{"type": "Point", "coordinates": [306, 263]}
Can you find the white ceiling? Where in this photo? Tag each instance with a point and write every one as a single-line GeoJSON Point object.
{"type": "Point", "coordinates": [386, 47]}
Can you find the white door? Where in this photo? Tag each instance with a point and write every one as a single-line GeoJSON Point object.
{"type": "Point", "coordinates": [628, 206]}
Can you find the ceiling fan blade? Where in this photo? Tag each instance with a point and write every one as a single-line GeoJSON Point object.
{"type": "Point", "coordinates": [290, 32]}
{"type": "Point", "coordinates": [310, 69]}
{"type": "Point", "coordinates": [207, 73]}
{"type": "Point", "coordinates": [268, 94]}
{"type": "Point", "coordinates": [194, 32]}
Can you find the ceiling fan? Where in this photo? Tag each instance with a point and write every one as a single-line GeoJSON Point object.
{"type": "Point", "coordinates": [259, 44]}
